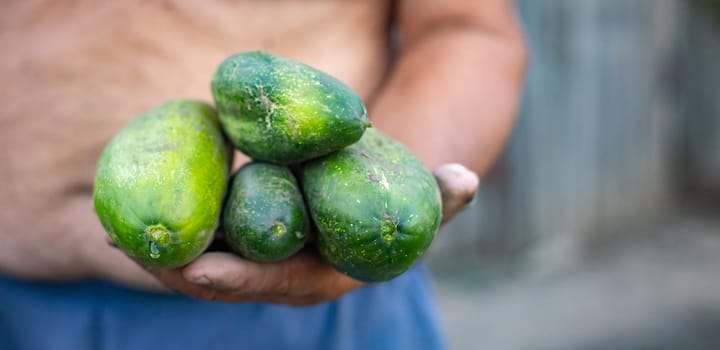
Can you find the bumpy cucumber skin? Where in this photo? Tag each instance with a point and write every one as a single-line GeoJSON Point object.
{"type": "Point", "coordinates": [375, 206]}
{"type": "Point", "coordinates": [161, 181]}
{"type": "Point", "coordinates": [281, 111]}
{"type": "Point", "coordinates": [265, 218]}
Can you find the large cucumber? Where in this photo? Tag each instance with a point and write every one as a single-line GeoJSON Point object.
{"type": "Point", "coordinates": [282, 111]}
{"type": "Point", "coordinates": [375, 206]}
{"type": "Point", "coordinates": [161, 181]}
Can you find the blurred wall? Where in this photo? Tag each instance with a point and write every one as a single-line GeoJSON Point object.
{"type": "Point", "coordinates": [604, 141]}
{"type": "Point", "coordinates": [701, 97]}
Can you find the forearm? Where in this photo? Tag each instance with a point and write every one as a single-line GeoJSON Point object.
{"type": "Point", "coordinates": [452, 95]}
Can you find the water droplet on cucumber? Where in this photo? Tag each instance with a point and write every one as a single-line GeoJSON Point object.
{"type": "Point", "coordinates": [154, 250]}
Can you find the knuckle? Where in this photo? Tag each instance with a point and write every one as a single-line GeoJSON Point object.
{"type": "Point", "coordinates": [239, 284]}
{"type": "Point", "coordinates": [283, 286]}
{"type": "Point", "coordinates": [288, 281]}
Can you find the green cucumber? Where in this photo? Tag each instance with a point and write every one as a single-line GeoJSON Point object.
{"type": "Point", "coordinates": [161, 181]}
{"type": "Point", "coordinates": [375, 206]}
{"type": "Point", "coordinates": [265, 217]}
{"type": "Point", "coordinates": [278, 110]}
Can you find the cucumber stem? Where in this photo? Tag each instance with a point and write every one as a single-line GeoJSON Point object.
{"type": "Point", "coordinates": [278, 229]}
{"type": "Point", "coordinates": [388, 229]}
{"type": "Point", "coordinates": [158, 234]}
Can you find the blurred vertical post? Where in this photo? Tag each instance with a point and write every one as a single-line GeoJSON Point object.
{"type": "Point", "coordinates": [593, 150]}
{"type": "Point", "coordinates": [701, 98]}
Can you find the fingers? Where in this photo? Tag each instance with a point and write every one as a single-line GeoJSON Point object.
{"type": "Point", "coordinates": [230, 273]}
{"type": "Point", "coordinates": [303, 279]}
{"type": "Point", "coordinates": [173, 279]}
{"type": "Point", "coordinates": [300, 275]}
{"type": "Point", "coordinates": [458, 186]}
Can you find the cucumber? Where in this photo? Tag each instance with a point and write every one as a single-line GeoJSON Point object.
{"type": "Point", "coordinates": [265, 217]}
{"type": "Point", "coordinates": [375, 206]}
{"type": "Point", "coordinates": [161, 181]}
{"type": "Point", "coordinates": [278, 110]}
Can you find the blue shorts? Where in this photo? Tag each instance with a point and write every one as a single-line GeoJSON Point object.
{"type": "Point", "coordinates": [400, 314]}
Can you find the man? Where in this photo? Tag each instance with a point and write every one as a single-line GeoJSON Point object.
{"type": "Point", "coordinates": [75, 73]}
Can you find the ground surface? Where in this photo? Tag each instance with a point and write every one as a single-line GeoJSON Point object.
{"type": "Point", "coordinates": [657, 290]}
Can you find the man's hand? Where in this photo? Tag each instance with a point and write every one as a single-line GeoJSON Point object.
{"type": "Point", "coordinates": [304, 279]}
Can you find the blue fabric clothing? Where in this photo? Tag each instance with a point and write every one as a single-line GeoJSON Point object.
{"type": "Point", "coordinates": [400, 314]}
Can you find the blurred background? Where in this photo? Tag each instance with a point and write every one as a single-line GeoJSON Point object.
{"type": "Point", "coordinates": [600, 226]}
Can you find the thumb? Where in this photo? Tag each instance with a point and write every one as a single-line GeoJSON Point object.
{"type": "Point", "coordinates": [458, 186]}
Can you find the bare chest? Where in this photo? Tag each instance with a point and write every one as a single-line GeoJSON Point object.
{"type": "Point", "coordinates": [75, 73]}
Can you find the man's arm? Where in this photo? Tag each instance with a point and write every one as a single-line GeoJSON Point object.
{"type": "Point", "coordinates": [454, 91]}
{"type": "Point", "coordinates": [451, 97]}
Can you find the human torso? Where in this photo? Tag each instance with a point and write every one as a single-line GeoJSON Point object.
{"type": "Point", "coordinates": [75, 72]}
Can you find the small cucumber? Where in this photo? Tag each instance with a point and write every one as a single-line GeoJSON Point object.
{"type": "Point", "coordinates": [265, 217]}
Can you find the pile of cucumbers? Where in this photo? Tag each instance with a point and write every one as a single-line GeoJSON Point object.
{"type": "Point", "coordinates": [163, 185]}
